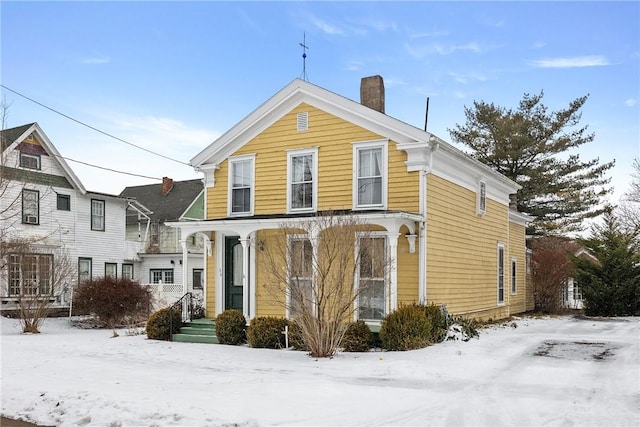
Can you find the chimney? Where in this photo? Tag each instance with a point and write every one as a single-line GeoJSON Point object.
{"type": "Point", "coordinates": [372, 93]}
{"type": "Point", "coordinates": [513, 201]}
{"type": "Point", "coordinates": [167, 185]}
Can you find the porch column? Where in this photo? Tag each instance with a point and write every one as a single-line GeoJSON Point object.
{"type": "Point", "coordinates": [392, 238]}
{"type": "Point", "coordinates": [245, 241]}
{"type": "Point", "coordinates": [185, 266]}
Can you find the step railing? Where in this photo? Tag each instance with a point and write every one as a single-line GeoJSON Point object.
{"type": "Point", "coordinates": [185, 306]}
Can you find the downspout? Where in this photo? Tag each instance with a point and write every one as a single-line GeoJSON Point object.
{"type": "Point", "coordinates": [422, 241]}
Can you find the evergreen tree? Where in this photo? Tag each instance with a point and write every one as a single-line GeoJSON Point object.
{"type": "Point", "coordinates": [532, 147]}
{"type": "Point", "coordinates": [611, 286]}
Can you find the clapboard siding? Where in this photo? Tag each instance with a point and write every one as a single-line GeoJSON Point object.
{"type": "Point", "coordinates": [462, 248]}
{"type": "Point", "coordinates": [334, 138]}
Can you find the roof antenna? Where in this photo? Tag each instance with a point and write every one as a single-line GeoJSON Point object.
{"type": "Point", "coordinates": [426, 115]}
{"type": "Point", "coordinates": [303, 76]}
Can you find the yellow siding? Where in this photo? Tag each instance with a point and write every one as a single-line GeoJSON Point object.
{"type": "Point", "coordinates": [462, 250]}
{"type": "Point", "coordinates": [517, 250]}
{"type": "Point", "coordinates": [407, 272]}
{"type": "Point", "coordinates": [270, 297]}
{"type": "Point", "coordinates": [333, 137]}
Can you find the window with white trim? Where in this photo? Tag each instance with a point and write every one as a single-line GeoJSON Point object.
{"type": "Point", "coordinates": [30, 207]}
{"type": "Point", "coordinates": [500, 273]}
{"type": "Point", "coordinates": [241, 176]}
{"type": "Point", "coordinates": [300, 292]}
{"type": "Point", "coordinates": [514, 276]}
{"type": "Point", "coordinates": [371, 271]}
{"type": "Point", "coordinates": [30, 274]}
{"type": "Point", "coordinates": [370, 175]}
{"type": "Point", "coordinates": [158, 275]}
{"type": "Point", "coordinates": [301, 177]}
{"type": "Point", "coordinates": [97, 215]}
{"type": "Point", "coordinates": [481, 203]}
{"type": "Point", "coordinates": [29, 161]}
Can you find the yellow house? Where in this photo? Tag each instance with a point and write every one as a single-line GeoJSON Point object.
{"type": "Point", "coordinates": [443, 217]}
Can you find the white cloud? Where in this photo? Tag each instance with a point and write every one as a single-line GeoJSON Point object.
{"type": "Point", "coordinates": [325, 27]}
{"type": "Point", "coordinates": [420, 52]}
{"type": "Point", "coordinates": [630, 102]}
{"type": "Point", "coordinates": [469, 77]}
{"type": "Point", "coordinates": [574, 62]}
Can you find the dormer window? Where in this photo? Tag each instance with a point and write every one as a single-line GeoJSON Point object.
{"type": "Point", "coordinates": [29, 161]}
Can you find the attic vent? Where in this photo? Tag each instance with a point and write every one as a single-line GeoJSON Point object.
{"type": "Point", "coordinates": [303, 121]}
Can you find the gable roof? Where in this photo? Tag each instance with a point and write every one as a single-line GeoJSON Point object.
{"type": "Point", "coordinates": [169, 207]}
{"type": "Point", "coordinates": [10, 135]}
{"type": "Point", "coordinates": [14, 136]}
{"type": "Point", "coordinates": [416, 142]}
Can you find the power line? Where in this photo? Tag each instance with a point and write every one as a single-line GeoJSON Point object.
{"type": "Point", "coordinates": [93, 128]}
{"type": "Point", "coordinates": [111, 170]}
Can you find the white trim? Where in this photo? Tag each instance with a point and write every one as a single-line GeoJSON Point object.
{"type": "Point", "coordinates": [499, 247]}
{"type": "Point", "coordinates": [239, 159]}
{"type": "Point", "coordinates": [388, 292]}
{"type": "Point", "coordinates": [383, 144]}
{"type": "Point", "coordinates": [219, 273]}
{"type": "Point", "coordinates": [313, 151]}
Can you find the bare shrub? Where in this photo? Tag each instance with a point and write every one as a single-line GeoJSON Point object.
{"type": "Point", "coordinates": [312, 268]}
{"type": "Point", "coordinates": [113, 301]}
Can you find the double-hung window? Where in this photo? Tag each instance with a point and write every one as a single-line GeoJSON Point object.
{"type": "Point", "coordinates": [97, 215]}
{"type": "Point", "coordinates": [370, 181]}
{"type": "Point", "coordinates": [127, 271]}
{"type": "Point", "coordinates": [30, 274]}
{"type": "Point", "coordinates": [500, 273]}
{"type": "Point", "coordinates": [111, 269]}
{"type": "Point", "coordinates": [302, 182]}
{"type": "Point", "coordinates": [30, 207]}
{"type": "Point", "coordinates": [481, 203]}
{"type": "Point", "coordinates": [85, 265]}
{"type": "Point", "coordinates": [372, 277]}
{"type": "Point", "coordinates": [300, 295]}
{"type": "Point", "coordinates": [241, 188]}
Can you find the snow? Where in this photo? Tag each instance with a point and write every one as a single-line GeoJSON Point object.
{"type": "Point", "coordinates": [563, 371]}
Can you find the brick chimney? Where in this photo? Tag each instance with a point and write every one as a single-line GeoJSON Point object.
{"type": "Point", "coordinates": [372, 93]}
{"type": "Point", "coordinates": [167, 185]}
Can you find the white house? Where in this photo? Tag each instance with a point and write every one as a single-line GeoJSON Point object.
{"type": "Point", "coordinates": [43, 199]}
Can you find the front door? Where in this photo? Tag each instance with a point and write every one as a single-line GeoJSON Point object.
{"type": "Point", "coordinates": [232, 273]}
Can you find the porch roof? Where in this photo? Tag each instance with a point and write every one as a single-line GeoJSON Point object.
{"type": "Point", "coordinates": [392, 221]}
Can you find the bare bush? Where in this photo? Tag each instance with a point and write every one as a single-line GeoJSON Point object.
{"type": "Point", "coordinates": [113, 301]}
{"type": "Point", "coordinates": [551, 269]}
{"type": "Point", "coordinates": [312, 268]}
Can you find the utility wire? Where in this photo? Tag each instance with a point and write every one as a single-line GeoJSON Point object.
{"type": "Point", "coordinates": [111, 170]}
{"type": "Point", "coordinates": [93, 128]}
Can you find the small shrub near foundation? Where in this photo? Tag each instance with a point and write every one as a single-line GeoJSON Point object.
{"type": "Point", "coordinates": [357, 337]}
{"type": "Point", "coordinates": [407, 328]}
{"type": "Point", "coordinates": [267, 332]}
{"type": "Point", "coordinates": [231, 327]}
{"type": "Point", "coordinates": [296, 338]}
{"type": "Point", "coordinates": [159, 324]}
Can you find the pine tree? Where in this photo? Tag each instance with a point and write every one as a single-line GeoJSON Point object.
{"type": "Point", "coordinates": [532, 147]}
{"type": "Point", "coordinates": [610, 287]}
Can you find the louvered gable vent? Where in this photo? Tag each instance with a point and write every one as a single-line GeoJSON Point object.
{"type": "Point", "coordinates": [303, 121]}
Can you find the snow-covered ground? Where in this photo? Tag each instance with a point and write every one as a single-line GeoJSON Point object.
{"type": "Point", "coordinates": [549, 371]}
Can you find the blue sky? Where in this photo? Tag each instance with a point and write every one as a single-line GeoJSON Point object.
{"type": "Point", "coordinates": [172, 76]}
